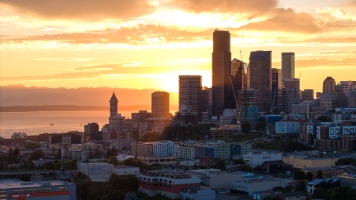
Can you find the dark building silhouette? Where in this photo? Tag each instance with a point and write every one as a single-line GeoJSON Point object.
{"type": "Point", "coordinates": [160, 104]}
{"type": "Point", "coordinates": [328, 85]}
{"type": "Point", "coordinates": [91, 130]}
{"type": "Point", "coordinates": [293, 84]}
{"type": "Point", "coordinates": [307, 94]}
{"type": "Point", "coordinates": [277, 86]}
{"type": "Point", "coordinates": [260, 77]}
{"type": "Point", "coordinates": [222, 97]}
{"type": "Point", "coordinates": [190, 89]}
{"type": "Point", "coordinates": [288, 65]}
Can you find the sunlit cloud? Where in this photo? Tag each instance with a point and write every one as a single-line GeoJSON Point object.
{"type": "Point", "coordinates": [65, 59]}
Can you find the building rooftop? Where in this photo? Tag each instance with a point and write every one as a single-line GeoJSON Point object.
{"type": "Point", "coordinates": [15, 183]}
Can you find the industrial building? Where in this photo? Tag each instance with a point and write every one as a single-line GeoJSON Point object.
{"type": "Point", "coordinates": [54, 190]}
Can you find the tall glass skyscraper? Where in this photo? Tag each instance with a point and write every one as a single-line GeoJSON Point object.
{"type": "Point", "coordinates": [260, 77]}
{"type": "Point", "coordinates": [221, 67]}
{"type": "Point", "coordinates": [288, 65]}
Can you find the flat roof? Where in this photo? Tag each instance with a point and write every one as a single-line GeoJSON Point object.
{"type": "Point", "coordinates": [15, 183]}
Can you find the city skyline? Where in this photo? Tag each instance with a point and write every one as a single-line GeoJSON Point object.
{"type": "Point", "coordinates": [147, 45]}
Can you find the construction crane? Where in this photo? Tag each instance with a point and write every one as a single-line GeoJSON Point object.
{"type": "Point", "coordinates": [300, 75]}
{"type": "Point", "coordinates": [237, 101]}
{"type": "Point", "coordinates": [241, 55]}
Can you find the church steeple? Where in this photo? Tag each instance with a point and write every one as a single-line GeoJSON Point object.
{"type": "Point", "coordinates": [113, 105]}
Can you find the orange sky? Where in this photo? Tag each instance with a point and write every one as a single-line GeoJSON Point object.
{"type": "Point", "coordinates": [147, 44]}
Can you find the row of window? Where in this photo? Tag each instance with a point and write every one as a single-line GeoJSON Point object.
{"type": "Point", "coordinates": [156, 184]}
{"type": "Point", "coordinates": [156, 179]}
{"type": "Point", "coordinates": [36, 190]}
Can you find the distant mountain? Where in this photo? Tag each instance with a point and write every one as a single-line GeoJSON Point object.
{"type": "Point", "coordinates": [19, 95]}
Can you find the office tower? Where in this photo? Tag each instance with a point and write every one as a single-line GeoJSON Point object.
{"type": "Point", "coordinates": [190, 88]}
{"type": "Point", "coordinates": [328, 85]}
{"type": "Point", "coordinates": [260, 77]}
{"type": "Point", "coordinates": [113, 105]}
{"type": "Point", "coordinates": [293, 84]}
{"type": "Point", "coordinates": [348, 86]}
{"type": "Point", "coordinates": [288, 99]}
{"type": "Point", "coordinates": [277, 86]}
{"type": "Point", "coordinates": [221, 70]}
{"type": "Point", "coordinates": [250, 104]}
{"type": "Point", "coordinates": [116, 121]}
{"type": "Point", "coordinates": [238, 74]}
{"type": "Point", "coordinates": [205, 103]}
{"type": "Point", "coordinates": [160, 104]}
{"type": "Point", "coordinates": [307, 94]}
{"type": "Point", "coordinates": [288, 65]}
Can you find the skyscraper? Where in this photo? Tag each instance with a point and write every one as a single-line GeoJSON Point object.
{"type": "Point", "coordinates": [307, 94]}
{"type": "Point", "coordinates": [328, 85]}
{"type": "Point", "coordinates": [116, 121]}
{"type": "Point", "coordinates": [293, 84]}
{"type": "Point", "coordinates": [160, 104]}
{"type": "Point", "coordinates": [221, 68]}
{"type": "Point", "coordinates": [190, 89]}
{"type": "Point", "coordinates": [288, 65]}
{"type": "Point", "coordinates": [277, 86]}
{"type": "Point", "coordinates": [260, 77]}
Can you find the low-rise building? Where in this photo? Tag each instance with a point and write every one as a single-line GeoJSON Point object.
{"type": "Point", "coordinates": [167, 182]}
{"type": "Point", "coordinates": [101, 172]}
{"type": "Point", "coordinates": [55, 190]}
{"type": "Point", "coordinates": [161, 160]}
{"type": "Point", "coordinates": [322, 183]}
{"type": "Point", "coordinates": [302, 162]}
{"type": "Point", "coordinates": [287, 127]}
{"type": "Point", "coordinates": [198, 193]}
{"type": "Point", "coordinates": [326, 171]}
{"type": "Point", "coordinates": [249, 186]}
{"type": "Point", "coordinates": [254, 159]}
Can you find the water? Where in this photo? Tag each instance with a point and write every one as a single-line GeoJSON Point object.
{"type": "Point", "coordinates": [33, 123]}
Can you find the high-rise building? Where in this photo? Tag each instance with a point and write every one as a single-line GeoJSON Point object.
{"type": "Point", "coordinates": [288, 64]}
{"type": "Point", "coordinates": [260, 77]}
{"type": "Point", "coordinates": [116, 121]}
{"type": "Point", "coordinates": [238, 74]}
{"type": "Point", "coordinates": [277, 86]}
{"type": "Point", "coordinates": [307, 94]}
{"type": "Point", "coordinates": [288, 99]}
{"type": "Point", "coordinates": [328, 85]}
{"type": "Point", "coordinates": [293, 84]}
{"type": "Point", "coordinates": [190, 89]}
{"type": "Point", "coordinates": [160, 104]}
{"type": "Point", "coordinates": [221, 70]}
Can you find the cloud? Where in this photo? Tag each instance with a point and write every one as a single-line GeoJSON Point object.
{"type": "Point", "coordinates": [64, 59]}
{"type": "Point", "coordinates": [111, 71]}
{"type": "Point", "coordinates": [82, 9]}
{"type": "Point", "coordinates": [225, 6]}
{"type": "Point", "coordinates": [138, 35]}
{"type": "Point", "coordinates": [286, 20]}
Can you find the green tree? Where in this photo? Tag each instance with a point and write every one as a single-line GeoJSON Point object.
{"type": "Point", "coordinates": [36, 155]}
{"type": "Point", "coordinates": [301, 186]}
{"type": "Point", "coordinates": [309, 176]}
{"type": "Point", "coordinates": [324, 119]}
{"type": "Point", "coordinates": [319, 174]}
{"type": "Point", "coordinates": [245, 168]}
{"type": "Point", "coordinates": [220, 165]}
{"type": "Point", "coordinates": [268, 198]}
{"type": "Point", "coordinates": [246, 127]}
{"type": "Point", "coordinates": [238, 161]}
{"type": "Point", "coordinates": [113, 160]}
{"type": "Point", "coordinates": [299, 175]}
{"type": "Point", "coordinates": [320, 194]}
{"type": "Point", "coordinates": [260, 125]}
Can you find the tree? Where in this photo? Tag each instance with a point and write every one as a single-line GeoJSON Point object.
{"type": "Point", "coordinates": [36, 155]}
{"type": "Point", "coordinates": [324, 119]}
{"type": "Point", "coordinates": [320, 194]}
{"type": "Point", "coordinates": [309, 176]}
{"type": "Point", "coordinates": [301, 186]}
{"type": "Point", "coordinates": [113, 160]}
{"type": "Point", "coordinates": [246, 127]}
{"type": "Point", "coordinates": [245, 168]}
{"type": "Point", "coordinates": [299, 175]}
{"type": "Point", "coordinates": [319, 174]}
{"type": "Point", "coordinates": [238, 161]}
{"type": "Point", "coordinates": [260, 125]}
{"type": "Point", "coordinates": [220, 165]}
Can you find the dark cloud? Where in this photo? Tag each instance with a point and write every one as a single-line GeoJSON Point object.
{"type": "Point", "coordinates": [82, 9]}
{"type": "Point", "coordinates": [132, 35]}
{"type": "Point", "coordinates": [226, 6]}
{"type": "Point", "coordinates": [286, 20]}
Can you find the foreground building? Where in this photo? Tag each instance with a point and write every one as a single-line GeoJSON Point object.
{"type": "Point", "coordinates": [256, 185]}
{"type": "Point", "coordinates": [167, 182]}
{"type": "Point", "coordinates": [54, 190]}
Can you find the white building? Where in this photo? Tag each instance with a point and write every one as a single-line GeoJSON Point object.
{"type": "Point", "coordinates": [287, 127]}
{"type": "Point", "coordinates": [181, 151]}
{"type": "Point", "coordinates": [101, 172]}
{"type": "Point", "coordinates": [348, 130]}
{"type": "Point", "coordinates": [86, 146]}
{"type": "Point", "coordinates": [229, 117]}
{"type": "Point", "coordinates": [260, 184]}
{"type": "Point", "coordinates": [162, 148]}
{"type": "Point", "coordinates": [334, 132]}
{"type": "Point", "coordinates": [254, 159]}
